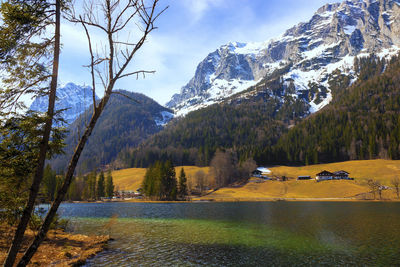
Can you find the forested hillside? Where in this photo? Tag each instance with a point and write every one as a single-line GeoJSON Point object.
{"type": "Point", "coordinates": [127, 121]}
{"type": "Point", "coordinates": [361, 122]}
{"type": "Point", "coordinates": [243, 122]}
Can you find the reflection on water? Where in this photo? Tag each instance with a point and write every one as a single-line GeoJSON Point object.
{"type": "Point", "coordinates": [242, 234]}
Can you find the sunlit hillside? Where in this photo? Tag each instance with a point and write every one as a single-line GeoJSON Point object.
{"type": "Point", "coordinates": [381, 170]}
{"type": "Point", "coordinates": [131, 179]}
{"type": "Point", "coordinates": [290, 189]}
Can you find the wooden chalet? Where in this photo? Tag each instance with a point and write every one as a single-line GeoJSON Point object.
{"type": "Point", "coordinates": [256, 173]}
{"type": "Point", "coordinates": [261, 172]}
{"type": "Point", "coordinates": [304, 178]}
{"type": "Point", "coordinates": [324, 175]}
{"type": "Point", "coordinates": [341, 175]}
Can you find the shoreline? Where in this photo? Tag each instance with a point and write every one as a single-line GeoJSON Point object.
{"type": "Point", "coordinates": [58, 249]}
{"type": "Point", "coordinates": [294, 200]}
{"type": "Point", "coordinates": [244, 199]}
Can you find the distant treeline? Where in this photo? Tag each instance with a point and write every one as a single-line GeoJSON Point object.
{"type": "Point", "coordinates": [88, 187]}
{"type": "Point", "coordinates": [160, 182]}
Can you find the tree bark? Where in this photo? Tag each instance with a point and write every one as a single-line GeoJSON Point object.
{"type": "Point", "coordinates": [67, 181]}
{"type": "Point", "coordinates": [148, 18]}
{"type": "Point", "coordinates": [19, 233]}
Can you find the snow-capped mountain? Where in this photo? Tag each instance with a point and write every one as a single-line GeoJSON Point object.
{"type": "Point", "coordinates": [123, 124]}
{"type": "Point", "coordinates": [71, 98]}
{"type": "Point", "coordinates": [305, 54]}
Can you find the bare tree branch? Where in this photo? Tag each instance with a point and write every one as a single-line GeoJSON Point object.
{"type": "Point", "coordinates": [124, 95]}
{"type": "Point", "coordinates": [137, 73]}
{"type": "Point", "coordinates": [91, 66]}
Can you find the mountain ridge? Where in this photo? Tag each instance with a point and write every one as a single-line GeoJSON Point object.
{"type": "Point", "coordinates": [124, 123]}
{"type": "Point", "coordinates": [329, 40]}
{"type": "Point", "coordinates": [72, 99]}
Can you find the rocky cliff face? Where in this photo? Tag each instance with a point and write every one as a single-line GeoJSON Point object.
{"type": "Point", "coordinates": [71, 98]}
{"type": "Point", "coordinates": [305, 54]}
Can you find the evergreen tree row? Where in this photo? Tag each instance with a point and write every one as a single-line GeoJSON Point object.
{"type": "Point", "coordinates": [91, 187]}
{"type": "Point", "coordinates": [160, 182]}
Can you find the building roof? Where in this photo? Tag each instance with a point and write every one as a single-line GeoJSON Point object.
{"type": "Point", "coordinates": [341, 173]}
{"type": "Point", "coordinates": [325, 173]}
{"type": "Point", "coordinates": [264, 170]}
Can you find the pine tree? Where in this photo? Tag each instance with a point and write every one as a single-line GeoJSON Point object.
{"type": "Point", "coordinates": [160, 181]}
{"type": "Point", "coordinates": [182, 189]}
{"type": "Point", "coordinates": [100, 186]}
{"type": "Point", "coordinates": [49, 183]}
{"type": "Point", "coordinates": [91, 186]}
{"type": "Point", "coordinates": [168, 181]}
{"type": "Point", "coordinates": [25, 58]}
{"type": "Point", "coordinates": [109, 185]}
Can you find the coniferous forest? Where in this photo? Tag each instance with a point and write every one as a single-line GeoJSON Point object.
{"type": "Point", "coordinates": [361, 122]}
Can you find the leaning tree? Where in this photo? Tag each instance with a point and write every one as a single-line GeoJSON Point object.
{"type": "Point", "coordinates": [27, 64]}
{"type": "Point", "coordinates": [109, 62]}
{"type": "Point", "coordinates": [26, 55]}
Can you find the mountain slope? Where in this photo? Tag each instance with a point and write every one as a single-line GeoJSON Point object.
{"type": "Point", "coordinates": [362, 122]}
{"type": "Point", "coordinates": [123, 123]}
{"type": "Point", "coordinates": [309, 53]}
{"type": "Point", "coordinates": [244, 125]}
{"type": "Point", "coordinates": [71, 98]}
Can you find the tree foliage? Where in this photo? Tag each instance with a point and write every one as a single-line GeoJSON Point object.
{"type": "Point", "coordinates": [362, 122]}
{"type": "Point", "coordinates": [109, 190]}
{"type": "Point", "coordinates": [182, 185]}
{"type": "Point", "coordinates": [160, 181]}
{"type": "Point", "coordinates": [100, 186]}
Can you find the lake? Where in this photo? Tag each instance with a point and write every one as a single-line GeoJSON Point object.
{"type": "Point", "coordinates": [242, 234]}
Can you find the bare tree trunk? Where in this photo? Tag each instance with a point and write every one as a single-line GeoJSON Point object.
{"type": "Point", "coordinates": [148, 16]}
{"type": "Point", "coordinates": [64, 188]}
{"type": "Point", "coordinates": [19, 233]}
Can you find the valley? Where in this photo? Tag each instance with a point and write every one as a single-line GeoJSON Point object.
{"type": "Point", "coordinates": [243, 133]}
{"type": "Point", "coordinates": [255, 189]}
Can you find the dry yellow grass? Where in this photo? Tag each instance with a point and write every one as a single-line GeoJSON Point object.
{"type": "Point", "coordinates": [128, 179]}
{"type": "Point", "coordinates": [131, 179]}
{"type": "Point", "coordinates": [290, 189]}
{"type": "Point", "coordinates": [381, 170]}
{"type": "Point", "coordinates": [58, 249]}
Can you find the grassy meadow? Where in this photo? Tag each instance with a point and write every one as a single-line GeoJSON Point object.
{"type": "Point", "coordinates": [131, 179]}
{"type": "Point", "coordinates": [362, 170]}
{"type": "Point", "coordinates": [380, 170]}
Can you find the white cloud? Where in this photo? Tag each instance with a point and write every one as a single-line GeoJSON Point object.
{"type": "Point", "coordinates": [199, 7]}
{"type": "Point", "coordinates": [188, 31]}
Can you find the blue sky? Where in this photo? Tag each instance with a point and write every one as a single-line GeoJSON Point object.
{"type": "Point", "coordinates": [188, 31]}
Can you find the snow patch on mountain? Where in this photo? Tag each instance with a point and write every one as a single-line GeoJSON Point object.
{"type": "Point", "coordinates": [164, 119]}
{"type": "Point", "coordinates": [72, 99]}
{"type": "Point", "coordinates": [308, 53]}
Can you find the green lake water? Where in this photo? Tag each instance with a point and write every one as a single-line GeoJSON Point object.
{"type": "Point", "coordinates": [242, 234]}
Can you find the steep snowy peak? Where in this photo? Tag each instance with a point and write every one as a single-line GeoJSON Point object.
{"type": "Point", "coordinates": [309, 52]}
{"type": "Point", "coordinates": [71, 98]}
